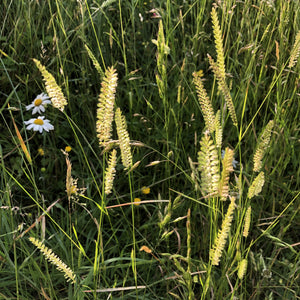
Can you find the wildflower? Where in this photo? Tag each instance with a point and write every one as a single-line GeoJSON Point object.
{"type": "Point", "coordinates": [137, 201]}
{"type": "Point", "coordinates": [68, 149]}
{"type": "Point", "coordinates": [41, 152]}
{"type": "Point", "coordinates": [145, 190]}
{"type": "Point", "coordinates": [39, 103]}
{"type": "Point", "coordinates": [39, 124]}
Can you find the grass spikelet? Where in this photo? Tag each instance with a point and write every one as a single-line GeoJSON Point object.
{"type": "Point", "coordinates": [51, 257]}
{"type": "Point", "coordinates": [71, 183]}
{"type": "Point", "coordinates": [110, 172]}
{"type": "Point", "coordinates": [205, 103]}
{"type": "Point", "coordinates": [247, 222]}
{"type": "Point", "coordinates": [208, 166]}
{"type": "Point", "coordinates": [162, 51]}
{"type": "Point", "coordinates": [223, 87]}
{"type": "Point", "coordinates": [218, 43]}
{"type": "Point", "coordinates": [242, 268]}
{"type": "Point", "coordinates": [124, 140]}
{"type": "Point", "coordinates": [295, 51]}
{"type": "Point", "coordinates": [256, 185]}
{"type": "Point", "coordinates": [95, 61]}
{"type": "Point", "coordinates": [106, 101]}
{"type": "Point", "coordinates": [53, 89]}
{"type": "Point", "coordinates": [265, 32]}
{"type": "Point", "coordinates": [262, 145]}
{"type": "Point", "coordinates": [167, 217]}
{"type": "Point", "coordinates": [69, 179]}
{"type": "Point", "coordinates": [219, 130]}
{"type": "Point", "coordinates": [220, 241]}
{"type": "Point", "coordinates": [227, 168]}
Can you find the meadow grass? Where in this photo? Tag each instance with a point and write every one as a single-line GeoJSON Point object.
{"type": "Point", "coordinates": [177, 176]}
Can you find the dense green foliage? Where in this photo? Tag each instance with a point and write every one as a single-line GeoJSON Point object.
{"type": "Point", "coordinates": [100, 236]}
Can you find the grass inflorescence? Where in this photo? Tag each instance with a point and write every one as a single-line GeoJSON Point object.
{"type": "Point", "coordinates": [166, 165]}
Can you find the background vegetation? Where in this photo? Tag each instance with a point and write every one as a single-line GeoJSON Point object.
{"type": "Point", "coordinates": [102, 244]}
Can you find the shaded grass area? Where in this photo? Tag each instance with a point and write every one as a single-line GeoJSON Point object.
{"type": "Point", "coordinates": [98, 243]}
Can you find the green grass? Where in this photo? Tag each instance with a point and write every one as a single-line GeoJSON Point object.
{"type": "Point", "coordinates": [99, 237]}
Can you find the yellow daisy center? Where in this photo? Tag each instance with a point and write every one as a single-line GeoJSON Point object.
{"type": "Point", "coordinates": [38, 102]}
{"type": "Point", "coordinates": [38, 122]}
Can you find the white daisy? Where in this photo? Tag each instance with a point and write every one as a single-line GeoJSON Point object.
{"type": "Point", "coordinates": [39, 103]}
{"type": "Point", "coordinates": [39, 124]}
